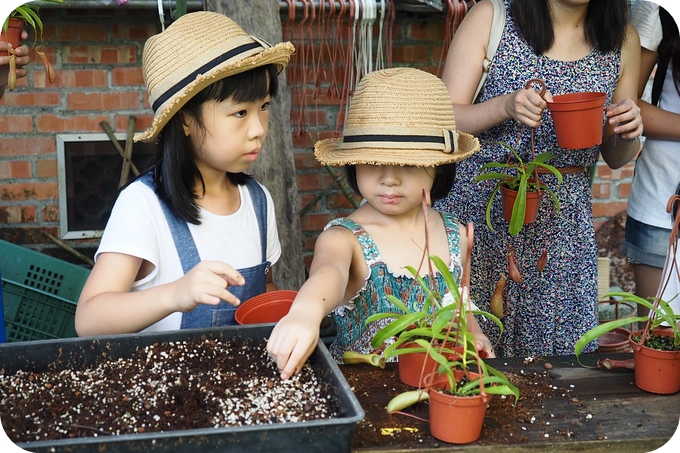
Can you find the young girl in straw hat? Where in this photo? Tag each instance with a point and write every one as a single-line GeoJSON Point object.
{"type": "Point", "coordinates": [399, 139]}
{"type": "Point", "coordinates": [194, 235]}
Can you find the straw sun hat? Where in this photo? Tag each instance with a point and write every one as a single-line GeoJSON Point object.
{"type": "Point", "coordinates": [398, 116]}
{"type": "Point", "coordinates": [192, 53]}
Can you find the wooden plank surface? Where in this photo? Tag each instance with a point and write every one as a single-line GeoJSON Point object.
{"type": "Point", "coordinates": [578, 409]}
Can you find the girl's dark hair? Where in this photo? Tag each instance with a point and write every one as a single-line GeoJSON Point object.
{"type": "Point", "coordinates": [444, 177]}
{"type": "Point", "coordinates": [605, 23]}
{"type": "Point", "coordinates": [175, 170]}
{"type": "Point", "coordinates": [669, 47]}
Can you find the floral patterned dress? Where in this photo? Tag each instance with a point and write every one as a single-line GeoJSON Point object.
{"type": "Point", "coordinates": [548, 311]}
{"type": "Point", "coordinates": [353, 334]}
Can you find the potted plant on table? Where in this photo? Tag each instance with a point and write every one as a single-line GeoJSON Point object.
{"type": "Point", "coordinates": [26, 15]}
{"type": "Point", "coordinates": [656, 347]}
{"type": "Point", "coordinates": [462, 384]}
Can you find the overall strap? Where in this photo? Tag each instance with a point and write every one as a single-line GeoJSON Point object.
{"type": "Point", "coordinates": [181, 236]}
{"type": "Point", "coordinates": [260, 205]}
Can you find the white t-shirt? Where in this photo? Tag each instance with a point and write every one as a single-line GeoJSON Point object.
{"type": "Point", "coordinates": [137, 227]}
{"type": "Point", "coordinates": [657, 170]}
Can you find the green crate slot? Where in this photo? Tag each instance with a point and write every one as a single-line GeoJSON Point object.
{"type": "Point", "coordinates": [32, 314]}
{"type": "Point", "coordinates": [40, 294]}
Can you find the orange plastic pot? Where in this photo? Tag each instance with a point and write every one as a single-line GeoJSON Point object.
{"type": "Point", "coordinates": [455, 419]}
{"type": "Point", "coordinates": [578, 119]}
{"type": "Point", "coordinates": [531, 211]}
{"type": "Point", "coordinates": [411, 369]}
{"type": "Point", "coordinates": [656, 371]}
{"type": "Point", "coordinates": [265, 308]}
{"type": "Point", "coordinates": [618, 340]}
{"type": "Point", "coordinates": [13, 35]}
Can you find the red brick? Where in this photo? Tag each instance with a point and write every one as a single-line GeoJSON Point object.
{"type": "Point", "coordinates": [426, 31]}
{"type": "Point", "coordinates": [127, 76]}
{"type": "Point", "coordinates": [608, 209]}
{"type": "Point", "coordinates": [81, 78]}
{"type": "Point", "coordinates": [20, 169]}
{"type": "Point", "coordinates": [16, 123]}
{"type": "Point", "coordinates": [29, 191]}
{"type": "Point", "coordinates": [46, 168]}
{"type": "Point", "coordinates": [50, 213]}
{"type": "Point", "coordinates": [105, 54]}
{"type": "Point", "coordinates": [624, 189]}
{"type": "Point", "coordinates": [142, 122]}
{"type": "Point", "coordinates": [412, 54]}
{"type": "Point", "coordinates": [83, 32]}
{"type": "Point", "coordinates": [53, 123]}
{"type": "Point", "coordinates": [305, 161]}
{"type": "Point", "coordinates": [29, 99]}
{"type": "Point", "coordinates": [135, 32]}
{"type": "Point", "coordinates": [601, 190]}
{"type": "Point", "coordinates": [27, 146]}
{"type": "Point", "coordinates": [103, 101]}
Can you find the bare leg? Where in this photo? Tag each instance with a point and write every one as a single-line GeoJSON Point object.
{"type": "Point", "coordinates": [647, 279]}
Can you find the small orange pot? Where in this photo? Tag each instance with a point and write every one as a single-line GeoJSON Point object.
{"type": "Point", "coordinates": [411, 367]}
{"type": "Point", "coordinates": [656, 371]}
{"type": "Point", "coordinates": [533, 202]}
{"type": "Point", "coordinates": [265, 308]}
{"type": "Point", "coordinates": [578, 119]}
{"type": "Point", "coordinates": [618, 340]}
{"type": "Point", "coordinates": [456, 419]}
{"type": "Point", "coordinates": [13, 35]}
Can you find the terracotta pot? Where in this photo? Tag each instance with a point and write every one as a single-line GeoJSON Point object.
{"type": "Point", "coordinates": [578, 119]}
{"type": "Point", "coordinates": [656, 371]}
{"type": "Point", "coordinates": [533, 201]}
{"type": "Point", "coordinates": [267, 307]}
{"type": "Point", "coordinates": [13, 35]}
{"type": "Point", "coordinates": [410, 366]}
{"type": "Point", "coordinates": [455, 419]}
{"type": "Point", "coordinates": [618, 340]}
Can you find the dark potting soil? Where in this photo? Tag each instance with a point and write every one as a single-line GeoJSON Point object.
{"type": "Point", "coordinates": [164, 387]}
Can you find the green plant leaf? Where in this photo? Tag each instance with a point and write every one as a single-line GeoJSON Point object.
{"type": "Point", "coordinates": [598, 331]}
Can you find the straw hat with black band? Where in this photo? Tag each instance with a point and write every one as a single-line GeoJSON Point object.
{"type": "Point", "coordinates": [195, 51]}
{"type": "Point", "coordinates": [398, 116]}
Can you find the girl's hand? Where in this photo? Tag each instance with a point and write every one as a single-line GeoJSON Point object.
{"type": "Point", "coordinates": [483, 343]}
{"type": "Point", "coordinates": [292, 342]}
{"type": "Point", "coordinates": [207, 283]}
{"type": "Point", "coordinates": [23, 58]}
{"type": "Point", "coordinates": [626, 119]}
{"type": "Point", "coordinates": [527, 105]}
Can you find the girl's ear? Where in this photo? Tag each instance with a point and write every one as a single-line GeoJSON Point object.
{"type": "Point", "coordinates": [186, 123]}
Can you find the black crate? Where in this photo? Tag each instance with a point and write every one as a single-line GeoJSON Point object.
{"type": "Point", "coordinates": [329, 435]}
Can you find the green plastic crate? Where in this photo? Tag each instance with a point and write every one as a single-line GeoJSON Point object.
{"type": "Point", "coordinates": [40, 294]}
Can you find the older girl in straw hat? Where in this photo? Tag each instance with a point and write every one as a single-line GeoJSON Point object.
{"type": "Point", "coordinates": [400, 138]}
{"type": "Point", "coordinates": [194, 235]}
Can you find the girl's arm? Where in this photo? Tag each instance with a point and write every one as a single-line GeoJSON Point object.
{"type": "Point", "coordinates": [624, 121]}
{"type": "Point", "coordinates": [659, 124]}
{"type": "Point", "coordinates": [463, 71]}
{"type": "Point", "coordinates": [295, 336]}
{"type": "Point", "coordinates": [107, 306]}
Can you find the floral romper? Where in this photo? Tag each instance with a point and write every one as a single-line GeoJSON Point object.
{"type": "Point", "coordinates": [353, 334]}
{"type": "Point", "coordinates": [549, 310]}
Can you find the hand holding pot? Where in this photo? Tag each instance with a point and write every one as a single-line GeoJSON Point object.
{"type": "Point", "coordinates": [626, 119]}
{"type": "Point", "coordinates": [527, 105]}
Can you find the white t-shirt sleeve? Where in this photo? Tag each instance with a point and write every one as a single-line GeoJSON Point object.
{"type": "Point", "coordinates": [645, 18]}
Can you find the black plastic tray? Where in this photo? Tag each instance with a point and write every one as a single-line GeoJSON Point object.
{"type": "Point", "coordinates": [330, 435]}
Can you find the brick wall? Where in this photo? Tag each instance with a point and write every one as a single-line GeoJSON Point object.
{"type": "Point", "coordinates": [97, 54]}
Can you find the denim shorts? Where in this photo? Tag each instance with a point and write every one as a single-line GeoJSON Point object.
{"type": "Point", "coordinates": [646, 244]}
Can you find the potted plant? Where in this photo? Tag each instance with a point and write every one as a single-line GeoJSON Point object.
{"type": "Point", "coordinates": [461, 386]}
{"type": "Point", "coordinates": [656, 347]}
{"type": "Point", "coordinates": [26, 15]}
{"type": "Point", "coordinates": [521, 187]}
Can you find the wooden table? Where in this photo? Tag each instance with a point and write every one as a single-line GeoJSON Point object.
{"type": "Point", "coordinates": [588, 409]}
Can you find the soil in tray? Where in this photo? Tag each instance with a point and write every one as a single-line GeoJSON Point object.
{"type": "Point", "coordinates": [164, 387]}
{"type": "Point", "coordinates": [504, 423]}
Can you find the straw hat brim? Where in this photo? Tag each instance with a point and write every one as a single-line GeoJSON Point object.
{"type": "Point", "coordinates": [278, 55]}
{"type": "Point", "coordinates": [331, 152]}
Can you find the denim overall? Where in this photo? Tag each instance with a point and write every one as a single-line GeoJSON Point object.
{"type": "Point", "coordinates": [255, 276]}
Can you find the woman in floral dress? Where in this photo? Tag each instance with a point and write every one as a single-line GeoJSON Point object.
{"type": "Point", "coordinates": [572, 46]}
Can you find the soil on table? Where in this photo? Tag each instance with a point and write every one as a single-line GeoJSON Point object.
{"type": "Point", "coordinates": [505, 421]}
{"type": "Point", "coordinates": [164, 387]}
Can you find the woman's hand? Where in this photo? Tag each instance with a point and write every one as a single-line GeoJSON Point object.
{"type": "Point", "coordinates": [527, 105]}
{"type": "Point", "coordinates": [23, 58]}
{"type": "Point", "coordinates": [626, 119]}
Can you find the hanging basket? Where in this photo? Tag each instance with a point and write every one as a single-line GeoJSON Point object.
{"type": "Point", "coordinates": [578, 119]}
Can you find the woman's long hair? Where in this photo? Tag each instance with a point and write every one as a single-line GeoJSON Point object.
{"type": "Point", "coordinates": [669, 47]}
{"type": "Point", "coordinates": [605, 23]}
{"type": "Point", "coordinates": [175, 171]}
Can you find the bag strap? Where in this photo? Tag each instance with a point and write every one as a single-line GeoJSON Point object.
{"type": "Point", "coordinates": [497, 26]}
{"type": "Point", "coordinates": [670, 30]}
